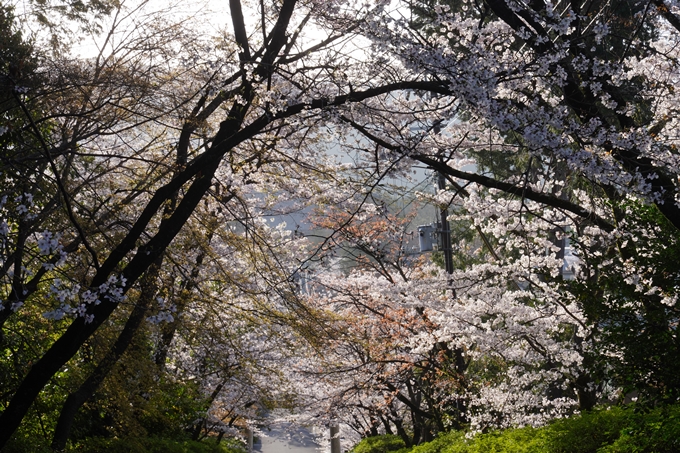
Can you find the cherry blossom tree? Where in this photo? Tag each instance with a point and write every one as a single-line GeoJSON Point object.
{"type": "Point", "coordinates": [417, 350]}
{"type": "Point", "coordinates": [553, 136]}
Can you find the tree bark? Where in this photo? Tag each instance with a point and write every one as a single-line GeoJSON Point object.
{"type": "Point", "coordinates": [79, 331]}
{"type": "Point", "coordinates": [75, 400]}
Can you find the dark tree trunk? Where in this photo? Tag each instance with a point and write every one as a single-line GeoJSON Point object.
{"type": "Point", "coordinates": [76, 399]}
{"type": "Point", "coordinates": [168, 330]}
{"type": "Point", "coordinates": [386, 424]}
{"type": "Point", "coordinates": [204, 421]}
{"type": "Point", "coordinates": [79, 331]}
{"type": "Point", "coordinates": [401, 432]}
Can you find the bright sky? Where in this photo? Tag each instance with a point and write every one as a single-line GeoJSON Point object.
{"type": "Point", "coordinates": [210, 15]}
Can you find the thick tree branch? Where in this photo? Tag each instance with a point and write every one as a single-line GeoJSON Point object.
{"type": "Point", "coordinates": [525, 192]}
{"type": "Point", "coordinates": [240, 30]}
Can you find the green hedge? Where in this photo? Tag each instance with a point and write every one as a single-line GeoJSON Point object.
{"type": "Point", "coordinates": [380, 444]}
{"type": "Point", "coordinates": [612, 430]}
{"type": "Point", "coordinates": [148, 445]}
{"type": "Point", "coordinates": [123, 445]}
{"type": "Point", "coordinates": [617, 430]}
{"type": "Point", "coordinates": [524, 440]}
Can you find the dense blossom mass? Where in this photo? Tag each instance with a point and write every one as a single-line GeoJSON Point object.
{"type": "Point", "coordinates": [205, 219]}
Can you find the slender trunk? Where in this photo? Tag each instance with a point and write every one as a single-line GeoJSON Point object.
{"type": "Point", "coordinates": [426, 433]}
{"type": "Point", "coordinates": [416, 419]}
{"type": "Point", "coordinates": [401, 431]}
{"type": "Point", "coordinates": [203, 422]}
{"type": "Point", "coordinates": [374, 426]}
{"type": "Point", "coordinates": [76, 399]}
{"type": "Point", "coordinates": [79, 331]}
{"type": "Point", "coordinates": [168, 330]}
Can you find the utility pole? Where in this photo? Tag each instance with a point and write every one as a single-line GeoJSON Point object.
{"type": "Point", "coordinates": [335, 437]}
{"type": "Point", "coordinates": [249, 439]}
{"type": "Point", "coordinates": [445, 231]}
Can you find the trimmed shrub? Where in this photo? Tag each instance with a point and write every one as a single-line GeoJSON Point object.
{"type": "Point", "coordinates": [444, 443]}
{"type": "Point", "coordinates": [149, 445]}
{"type": "Point", "coordinates": [379, 444]}
{"type": "Point", "coordinates": [523, 440]}
{"type": "Point", "coordinates": [655, 432]}
{"type": "Point", "coordinates": [611, 430]}
{"type": "Point", "coordinates": [588, 432]}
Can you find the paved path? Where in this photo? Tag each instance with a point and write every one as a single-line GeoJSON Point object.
{"type": "Point", "coordinates": [285, 438]}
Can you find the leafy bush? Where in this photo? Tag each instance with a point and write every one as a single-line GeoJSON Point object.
{"type": "Point", "coordinates": [148, 445]}
{"type": "Point", "coordinates": [617, 430]}
{"type": "Point", "coordinates": [524, 440]}
{"type": "Point", "coordinates": [104, 445]}
{"type": "Point", "coordinates": [171, 409]}
{"type": "Point", "coordinates": [655, 432]}
{"type": "Point", "coordinates": [379, 444]}
{"type": "Point", "coordinates": [588, 432]}
{"type": "Point", "coordinates": [612, 430]}
{"type": "Point", "coordinates": [443, 443]}
{"type": "Point", "coordinates": [27, 443]}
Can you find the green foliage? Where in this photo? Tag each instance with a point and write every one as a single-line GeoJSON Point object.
{"type": "Point", "coordinates": [611, 430]}
{"type": "Point", "coordinates": [17, 67]}
{"type": "Point", "coordinates": [617, 430]}
{"type": "Point", "coordinates": [172, 409]}
{"type": "Point", "coordinates": [442, 443]}
{"type": "Point", "coordinates": [379, 444]}
{"type": "Point", "coordinates": [136, 401]}
{"type": "Point", "coordinates": [657, 431]}
{"type": "Point", "coordinates": [524, 440]}
{"type": "Point", "coordinates": [149, 445]}
{"type": "Point", "coordinates": [588, 432]}
{"type": "Point", "coordinates": [26, 441]}
{"type": "Point", "coordinates": [22, 341]}
{"type": "Point", "coordinates": [23, 443]}
{"type": "Point", "coordinates": [629, 305]}
{"type": "Point", "coordinates": [16, 59]}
